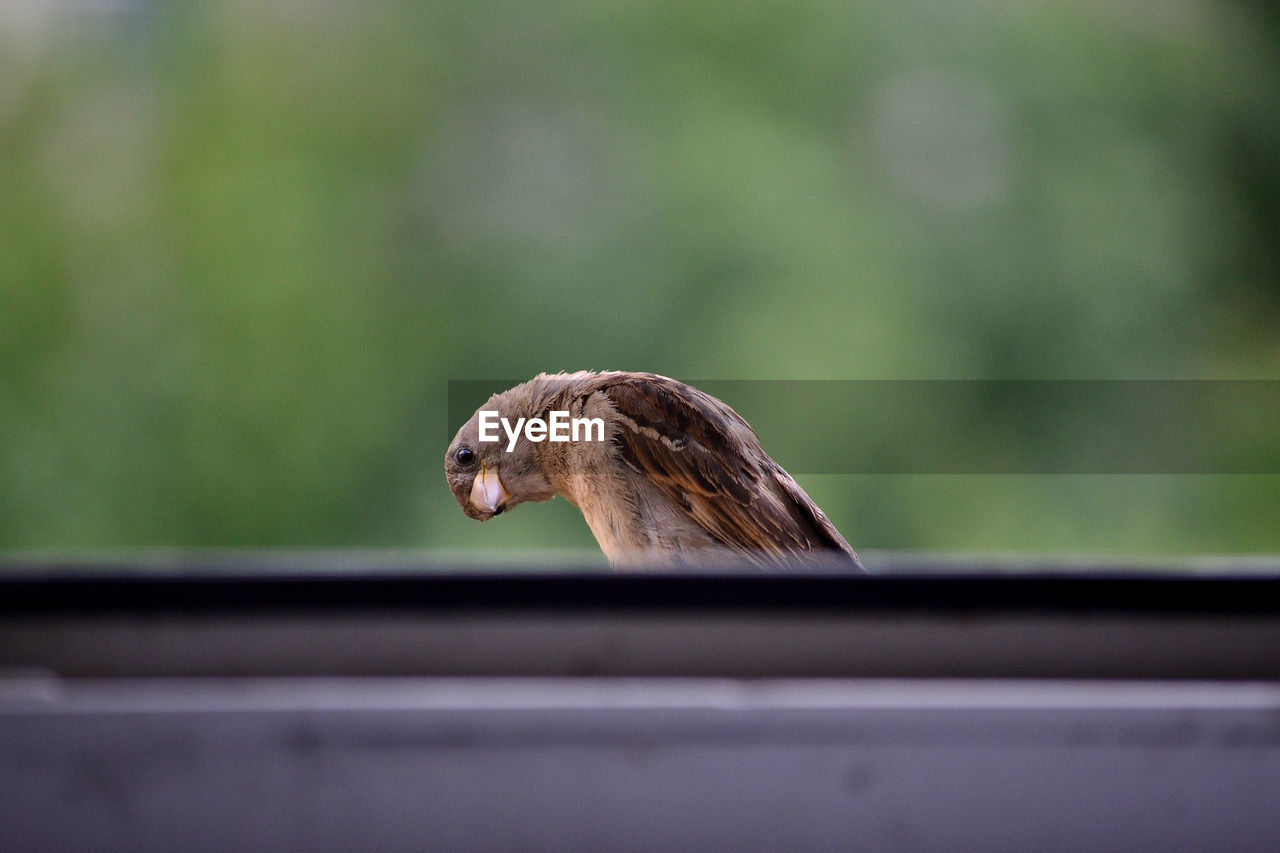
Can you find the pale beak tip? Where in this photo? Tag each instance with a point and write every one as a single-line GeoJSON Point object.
{"type": "Point", "coordinates": [488, 493]}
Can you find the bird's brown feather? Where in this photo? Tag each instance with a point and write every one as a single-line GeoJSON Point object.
{"type": "Point", "coordinates": [701, 454]}
{"type": "Point", "coordinates": [681, 475]}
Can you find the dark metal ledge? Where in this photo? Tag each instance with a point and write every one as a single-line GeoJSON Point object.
{"type": "Point", "coordinates": [75, 621]}
{"type": "Point", "coordinates": [1085, 708]}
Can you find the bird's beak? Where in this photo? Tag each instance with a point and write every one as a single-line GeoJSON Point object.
{"type": "Point", "coordinates": [487, 492]}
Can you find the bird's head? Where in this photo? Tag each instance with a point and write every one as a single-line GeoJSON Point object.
{"type": "Point", "coordinates": [485, 477]}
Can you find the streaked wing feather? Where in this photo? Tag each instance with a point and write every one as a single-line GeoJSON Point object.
{"type": "Point", "coordinates": [701, 454]}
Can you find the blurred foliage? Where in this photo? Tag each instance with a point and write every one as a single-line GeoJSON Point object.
{"type": "Point", "coordinates": [245, 245]}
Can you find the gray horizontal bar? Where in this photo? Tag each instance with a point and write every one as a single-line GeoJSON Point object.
{"type": "Point", "coordinates": [760, 645]}
{"type": "Point", "coordinates": [43, 693]}
{"type": "Point", "coordinates": [1055, 426]}
{"type": "Point", "coordinates": [643, 765]}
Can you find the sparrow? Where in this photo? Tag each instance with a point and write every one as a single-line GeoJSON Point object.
{"type": "Point", "coordinates": [676, 477]}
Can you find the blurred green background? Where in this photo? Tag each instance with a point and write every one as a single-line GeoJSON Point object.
{"type": "Point", "coordinates": [244, 247]}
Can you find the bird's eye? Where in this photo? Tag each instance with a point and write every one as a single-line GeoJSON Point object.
{"type": "Point", "coordinates": [465, 456]}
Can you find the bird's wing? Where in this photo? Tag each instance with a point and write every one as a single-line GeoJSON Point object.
{"type": "Point", "coordinates": [703, 456]}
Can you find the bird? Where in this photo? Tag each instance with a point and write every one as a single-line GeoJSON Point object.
{"type": "Point", "coordinates": [676, 476]}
